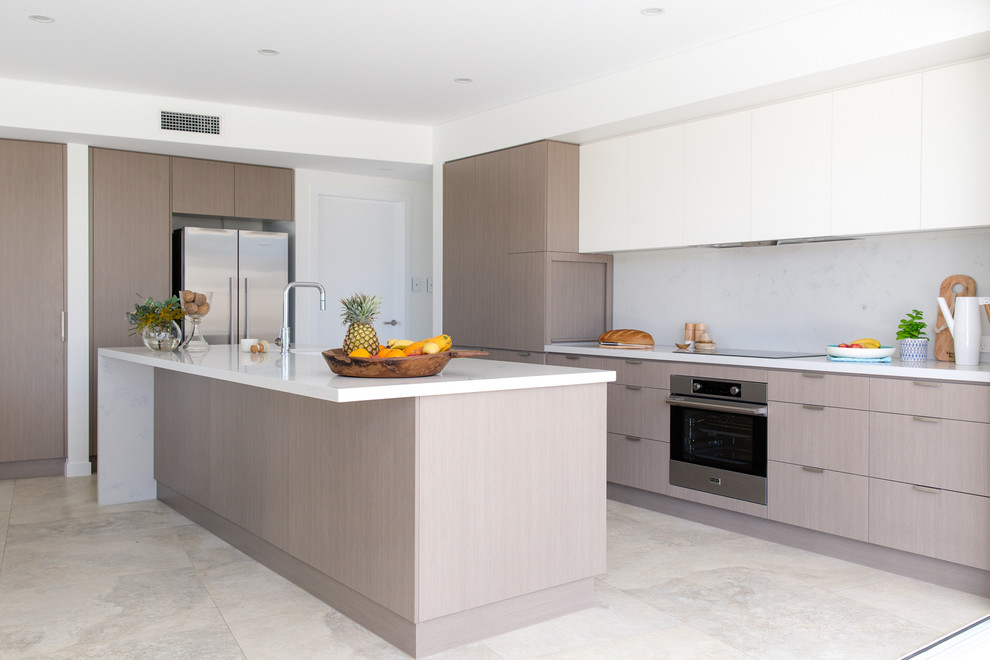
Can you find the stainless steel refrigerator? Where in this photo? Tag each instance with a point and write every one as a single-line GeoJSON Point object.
{"type": "Point", "coordinates": [245, 270]}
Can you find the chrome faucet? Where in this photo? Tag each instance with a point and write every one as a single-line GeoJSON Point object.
{"type": "Point", "coordinates": [284, 333]}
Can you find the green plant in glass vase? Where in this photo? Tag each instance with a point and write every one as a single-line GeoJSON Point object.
{"type": "Point", "coordinates": [157, 322]}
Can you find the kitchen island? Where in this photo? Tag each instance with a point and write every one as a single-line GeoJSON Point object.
{"type": "Point", "coordinates": [434, 511]}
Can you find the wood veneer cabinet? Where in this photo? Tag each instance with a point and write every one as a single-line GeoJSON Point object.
{"type": "Point", "coordinates": [32, 284]}
{"type": "Point", "coordinates": [130, 236]}
{"type": "Point", "coordinates": [217, 188]}
{"type": "Point", "coordinates": [818, 451]}
{"type": "Point", "coordinates": [512, 276]}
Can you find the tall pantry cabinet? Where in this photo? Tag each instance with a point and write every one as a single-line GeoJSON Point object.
{"type": "Point", "coordinates": [131, 226]}
{"type": "Point", "coordinates": [513, 278]}
{"type": "Point", "coordinates": [32, 286]}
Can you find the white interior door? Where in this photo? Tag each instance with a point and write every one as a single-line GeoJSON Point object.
{"type": "Point", "coordinates": [360, 246]}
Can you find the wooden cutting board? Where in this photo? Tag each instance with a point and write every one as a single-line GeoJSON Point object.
{"type": "Point", "coordinates": [949, 290]}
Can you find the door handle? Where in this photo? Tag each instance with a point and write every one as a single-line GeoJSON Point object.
{"type": "Point", "coordinates": [233, 310]}
{"type": "Point", "coordinates": [392, 322]}
{"type": "Point", "coordinates": [247, 316]}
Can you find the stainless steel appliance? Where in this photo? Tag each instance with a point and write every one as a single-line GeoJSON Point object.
{"type": "Point", "coordinates": [718, 436]}
{"type": "Point", "coordinates": [246, 271]}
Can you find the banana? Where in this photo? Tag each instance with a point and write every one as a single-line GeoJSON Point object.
{"type": "Point", "coordinates": [867, 342]}
{"type": "Point", "coordinates": [399, 343]}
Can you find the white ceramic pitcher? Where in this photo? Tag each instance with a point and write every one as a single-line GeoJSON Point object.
{"type": "Point", "coordinates": [965, 327]}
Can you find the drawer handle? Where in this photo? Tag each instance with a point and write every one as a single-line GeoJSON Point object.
{"type": "Point", "coordinates": [633, 387]}
{"type": "Point", "coordinates": [632, 438]}
{"type": "Point", "coordinates": [572, 357]}
{"type": "Point", "coordinates": [807, 375]}
{"type": "Point", "coordinates": [523, 354]}
{"type": "Point", "coordinates": [926, 489]}
{"type": "Point", "coordinates": [812, 469]}
{"type": "Point", "coordinates": [809, 406]}
{"type": "Point", "coordinates": [925, 383]}
{"type": "Point", "coordinates": [930, 420]}
{"type": "Point", "coordinates": [634, 362]}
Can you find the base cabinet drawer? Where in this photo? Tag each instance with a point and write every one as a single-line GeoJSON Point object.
{"type": "Point", "coordinates": [927, 521]}
{"type": "Point", "coordinates": [819, 388]}
{"type": "Point", "coordinates": [578, 361]}
{"type": "Point", "coordinates": [825, 500]}
{"type": "Point", "coordinates": [638, 411]}
{"type": "Point", "coordinates": [639, 463]}
{"type": "Point", "coordinates": [830, 438]}
{"type": "Point", "coordinates": [970, 402]}
{"type": "Point", "coordinates": [505, 355]}
{"type": "Point", "coordinates": [645, 373]}
{"type": "Point", "coordinates": [942, 453]}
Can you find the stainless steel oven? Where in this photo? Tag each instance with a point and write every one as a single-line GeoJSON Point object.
{"type": "Point", "coordinates": [718, 436]}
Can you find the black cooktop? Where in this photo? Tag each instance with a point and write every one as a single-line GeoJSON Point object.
{"type": "Point", "coordinates": [756, 353]}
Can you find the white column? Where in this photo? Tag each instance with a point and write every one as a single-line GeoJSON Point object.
{"type": "Point", "coordinates": [77, 311]}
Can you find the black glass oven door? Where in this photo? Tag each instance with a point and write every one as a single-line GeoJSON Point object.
{"type": "Point", "coordinates": [719, 439]}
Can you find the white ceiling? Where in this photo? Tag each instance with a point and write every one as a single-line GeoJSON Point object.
{"type": "Point", "coordinates": [390, 60]}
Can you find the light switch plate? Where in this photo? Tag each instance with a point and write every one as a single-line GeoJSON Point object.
{"type": "Point", "coordinates": [417, 284]}
{"type": "Point", "coordinates": [429, 285]}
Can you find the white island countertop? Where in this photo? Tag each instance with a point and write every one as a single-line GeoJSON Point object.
{"type": "Point", "coordinates": [307, 374]}
{"type": "Point", "coordinates": [929, 370]}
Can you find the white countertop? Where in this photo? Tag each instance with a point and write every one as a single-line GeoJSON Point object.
{"type": "Point", "coordinates": [307, 374]}
{"type": "Point", "coordinates": [928, 370]}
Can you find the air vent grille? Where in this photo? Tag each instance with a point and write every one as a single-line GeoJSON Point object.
{"type": "Point", "coordinates": [189, 123]}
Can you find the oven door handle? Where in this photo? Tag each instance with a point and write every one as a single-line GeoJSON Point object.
{"type": "Point", "coordinates": [752, 409]}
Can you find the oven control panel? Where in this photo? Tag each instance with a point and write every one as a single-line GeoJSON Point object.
{"type": "Point", "coordinates": [715, 388]}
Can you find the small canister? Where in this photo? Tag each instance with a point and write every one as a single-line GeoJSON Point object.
{"type": "Point", "coordinates": [699, 330]}
{"type": "Point", "coordinates": [689, 332]}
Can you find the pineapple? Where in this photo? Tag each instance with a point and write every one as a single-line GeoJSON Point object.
{"type": "Point", "coordinates": [360, 311]}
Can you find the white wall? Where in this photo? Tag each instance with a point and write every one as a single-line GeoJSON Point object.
{"type": "Point", "coordinates": [420, 251]}
{"type": "Point", "coordinates": [795, 297]}
{"type": "Point", "coordinates": [60, 113]}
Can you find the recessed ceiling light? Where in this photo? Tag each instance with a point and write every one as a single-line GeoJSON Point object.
{"type": "Point", "coordinates": [270, 52]}
{"type": "Point", "coordinates": [463, 81]}
{"type": "Point", "coordinates": [651, 11]}
{"type": "Point", "coordinates": [41, 18]}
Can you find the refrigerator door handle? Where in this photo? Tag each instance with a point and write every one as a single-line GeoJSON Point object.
{"type": "Point", "coordinates": [233, 309]}
{"type": "Point", "coordinates": [247, 314]}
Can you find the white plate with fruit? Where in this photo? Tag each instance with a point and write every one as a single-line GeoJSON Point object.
{"type": "Point", "coordinates": [867, 348]}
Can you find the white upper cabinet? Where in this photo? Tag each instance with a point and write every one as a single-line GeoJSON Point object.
{"type": "Point", "coordinates": [603, 192]}
{"type": "Point", "coordinates": [955, 170]}
{"type": "Point", "coordinates": [876, 157]}
{"type": "Point", "coordinates": [717, 174]}
{"type": "Point", "coordinates": [903, 154]}
{"type": "Point", "coordinates": [656, 174]}
{"type": "Point", "coordinates": [792, 167]}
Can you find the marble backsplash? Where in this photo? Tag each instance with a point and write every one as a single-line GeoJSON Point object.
{"type": "Point", "coordinates": [796, 297]}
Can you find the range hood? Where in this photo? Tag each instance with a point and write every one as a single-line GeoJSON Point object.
{"type": "Point", "coordinates": [783, 241]}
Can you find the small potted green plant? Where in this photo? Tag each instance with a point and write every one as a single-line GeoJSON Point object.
{"type": "Point", "coordinates": [911, 334]}
{"type": "Point", "coordinates": [157, 322]}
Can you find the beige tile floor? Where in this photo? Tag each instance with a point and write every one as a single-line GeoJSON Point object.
{"type": "Point", "coordinates": [141, 581]}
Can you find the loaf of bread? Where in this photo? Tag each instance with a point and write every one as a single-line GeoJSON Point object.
{"type": "Point", "coordinates": [631, 337]}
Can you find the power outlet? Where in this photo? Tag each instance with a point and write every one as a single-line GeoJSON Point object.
{"type": "Point", "coordinates": [985, 344]}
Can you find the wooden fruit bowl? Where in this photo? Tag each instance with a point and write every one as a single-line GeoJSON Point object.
{"type": "Point", "coordinates": [412, 366]}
